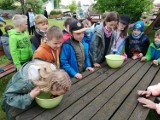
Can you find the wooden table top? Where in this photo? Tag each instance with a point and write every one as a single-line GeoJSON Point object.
{"type": "Point", "coordinates": [109, 94]}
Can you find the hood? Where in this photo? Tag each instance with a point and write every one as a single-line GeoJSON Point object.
{"type": "Point", "coordinates": [14, 32]}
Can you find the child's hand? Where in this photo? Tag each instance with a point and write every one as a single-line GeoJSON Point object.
{"type": "Point", "coordinates": [96, 65]}
{"type": "Point", "coordinates": [140, 55]}
{"type": "Point", "coordinates": [134, 57]}
{"type": "Point", "coordinates": [90, 69]}
{"type": "Point", "coordinates": [35, 92]}
{"type": "Point", "coordinates": [147, 103]}
{"type": "Point", "coordinates": [143, 59]}
{"type": "Point", "coordinates": [155, 62]}
{"type": "Point", "coordinates": [142, 92]}
{"type": "Point", "coordinates": [78, 76]}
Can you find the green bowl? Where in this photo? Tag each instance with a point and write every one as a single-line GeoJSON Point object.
{"type": "Point", "coordinates": [44, 100]}
{"type": "Point", "coordinates": [114, 61]}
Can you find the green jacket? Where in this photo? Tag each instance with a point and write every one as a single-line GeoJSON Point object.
{"type": "Point", "coordinates": [20, 47]}
{"type": "Point", "coordinates": [153, 53]}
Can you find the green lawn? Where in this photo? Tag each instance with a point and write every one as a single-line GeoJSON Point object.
{"type": "Point", "coordinates": [3, 60]}
{"type": "Point", "coordinates": [3, 81]}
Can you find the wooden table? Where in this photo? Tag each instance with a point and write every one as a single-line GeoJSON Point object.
{"type": "Point", "coordinates": [109, 94]}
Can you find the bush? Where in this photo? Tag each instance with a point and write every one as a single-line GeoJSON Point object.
{"type": "Point", "coordinates": [53, 12]}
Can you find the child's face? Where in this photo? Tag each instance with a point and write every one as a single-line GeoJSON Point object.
{"type": "Point", "coordinates": [23, 26]}
{"type": "Point", "coordinates": [157, 38]}
{"type": "Point", "coordinates": [78, 36]}
{"type": "Point", "coordinates": [121, 26]}
{"type": "Point", "coordinates": [111, 25]}
{"type": "Point", "coordinates": [136, 32]}
{"type": "Point", "coordinates": [43, 26]}
{"type": "Point", "coordinates": [54, 43]}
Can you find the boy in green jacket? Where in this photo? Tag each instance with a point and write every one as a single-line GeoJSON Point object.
{"type": "Point", "coordinates": [19, 41]}
{"type": "Point", "coordinates": [153, 52]}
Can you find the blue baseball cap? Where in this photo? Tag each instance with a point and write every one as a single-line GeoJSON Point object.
{"type": "Point", "coordinates": [139, 25]}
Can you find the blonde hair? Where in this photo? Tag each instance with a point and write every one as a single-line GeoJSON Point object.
{"type": "Point", "coordinates": [54, 32]}
{"type": "Point", "coordinates": [58, 78]}
{"type": "Point", "coordinates": [19, 19]}
{"type": "Point", "coordinates": [40, 19]}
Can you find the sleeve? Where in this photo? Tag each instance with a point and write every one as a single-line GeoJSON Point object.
{"type": "Point", "coordinates": [30, 50]}
{"type": "Point", "coordinates": [94, 49]}
{"type": "Point", "coordinates": [14, 51]}
{"type": "Point", "coordinates": [145, 44]}
{"type": "Point", "coordinates": [64, 60]}
{"type": "Point", "coordinates": [15, 97]}
{"type": "Point", "coordinates": [120, 48]}
{"type": "Point", "coordinates": [154, 89]}
{"type": "Point", "coordinates": [148, 54]}
{"type": "Point", "coordinates": [127, 50]}
{"type": "Point", "coordinates": [87, 58]}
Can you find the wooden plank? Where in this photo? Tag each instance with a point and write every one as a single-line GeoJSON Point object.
{"type": "Point", "coordinates": [82, 102]}
{"type": "Point", "coordinates": [7, 72]}
{"type": "Point", "coordinates": [86, 73]}
{"type": "Point", "coordinates": [152, 24]}
{"type": "Point", "coordinates": [140, 110]}
{"type": "Point", "coordinates": [97, 106]}
{"type": "Point", "coordinates": [83, 82]}
{"type": "Point", "coordinates": [3, 65]}
{"type": "Point", "coordinates": [130, 103]}
{"type": "Point", "coordinates": [7, 67]}
{"type": "Point", "coordinates": [68, 101]}
{"type": "Point", "coordinates": [39, 111]}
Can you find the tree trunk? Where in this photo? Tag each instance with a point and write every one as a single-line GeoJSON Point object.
{"type": "Point", "coordinates": [22, 4]}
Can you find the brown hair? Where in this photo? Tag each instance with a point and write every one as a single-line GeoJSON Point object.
{"type": "Point", "coordinates": [8, 27]}
{"type": "Point", "coordinates": [40, 19]}
{"type": "Point", "coordinates": [68, 21]}
{"type": "Point", "coordinates": [58, 78]}
{"type": "Point", "coordinates": [157, 33]}
{"type": "Point", "coordinates": [54, 32]}
{"type": "Point", "coordinates": [111, 16]}
{"type": "Point", "coordinates": [125, 31]}
{"type": "Point", "coordinates": [104, 15]}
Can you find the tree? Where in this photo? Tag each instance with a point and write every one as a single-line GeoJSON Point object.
{"type": "Point", "coordinates": [73, 6]}
{"type": "Point", "coordinates": [134, 8]}
{"type": "Point", "coordinates": [7, 5]}
{"type": "Point", "coordinates": [36, 5]}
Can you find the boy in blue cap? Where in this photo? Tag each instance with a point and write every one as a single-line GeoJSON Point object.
{"type": "Point", "coordinates": [137, 43]}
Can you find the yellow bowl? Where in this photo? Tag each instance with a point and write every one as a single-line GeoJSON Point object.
{"type": "Point", "coordinates": [114, 61]}
{"type": "Point", "coordinates": [44, 100]}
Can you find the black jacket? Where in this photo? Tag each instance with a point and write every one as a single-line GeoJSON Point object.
{"type": "Point", "coordinates": [36, 40]}
{"type": "Point", "coordinates": [131, 45]}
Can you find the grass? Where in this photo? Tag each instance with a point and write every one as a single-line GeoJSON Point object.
{"type": "Point", "coordinates": [3, 81]}
{"type": "Point", "coordinates": [3, 60]}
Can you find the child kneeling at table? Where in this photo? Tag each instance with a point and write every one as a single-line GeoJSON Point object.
{"type": "Point", "coordinates": [26, 84]}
